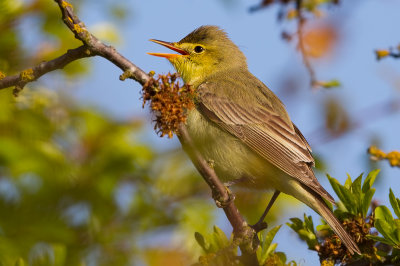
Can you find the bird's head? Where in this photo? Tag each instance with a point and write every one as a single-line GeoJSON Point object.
{"type": "Point", "coordinates": [202, 53]}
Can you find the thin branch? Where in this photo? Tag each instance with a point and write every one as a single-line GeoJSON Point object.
{"type": "Point", "coordinates": [32, 74]}
{"type": "Point", "coordinates": [245, 236]}
{"type": "Point", "coordinates": [301, 45]}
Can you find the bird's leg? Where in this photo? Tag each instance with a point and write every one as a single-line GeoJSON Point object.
{"type": "Point", "coordinates": [261, 225]}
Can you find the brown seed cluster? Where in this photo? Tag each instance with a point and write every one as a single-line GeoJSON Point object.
{"type": "Point", "coordinates": [333, 250]}
{"type": "Point", "coordinates": [169, 102]}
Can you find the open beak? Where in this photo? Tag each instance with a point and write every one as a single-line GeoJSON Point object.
{"type": "Point", "coordinates": [171, 46]}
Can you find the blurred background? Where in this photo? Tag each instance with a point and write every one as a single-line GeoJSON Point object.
{"type": "Point", "coordinates": [84, 179]}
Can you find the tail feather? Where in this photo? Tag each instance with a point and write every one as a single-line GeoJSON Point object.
{"type": "Point", "coordinates": [336, 226]}
{"type": "Point", "coordinates": [315, 201]}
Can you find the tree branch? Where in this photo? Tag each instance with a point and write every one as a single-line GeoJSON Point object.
{"type": "Point", "coordinates": [245, 236]}
{"type": "Point", "coordinates": [32, 74]}
{"type": "Point", "coordinates": [99, 48]}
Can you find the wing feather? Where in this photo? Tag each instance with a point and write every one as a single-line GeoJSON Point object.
{"type": "Point", "coordinates": [264, 131]}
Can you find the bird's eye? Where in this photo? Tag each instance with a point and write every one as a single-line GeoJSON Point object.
{"type": "Point", "coordinates": [198, 49]}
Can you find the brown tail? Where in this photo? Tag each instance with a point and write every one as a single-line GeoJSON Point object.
{"type": "Point", "coordinates": [336, 226]}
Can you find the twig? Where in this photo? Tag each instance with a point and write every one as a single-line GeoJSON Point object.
{"type": "Point", "coordinates": [245, 236]}
{"type": "Point", "coordinates": [300, 26]}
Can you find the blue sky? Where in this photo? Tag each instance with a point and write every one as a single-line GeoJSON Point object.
{"type": "Point", "coordinates": [364, 25]}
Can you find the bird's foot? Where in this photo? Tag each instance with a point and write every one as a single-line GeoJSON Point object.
{"type": "Point", "coordinates": [211, 163]}
{"type": "Point", "coordinates": [222, 203]}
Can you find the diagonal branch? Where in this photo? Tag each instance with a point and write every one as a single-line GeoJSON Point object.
{"type": "Point", "coordinates": [245, 236]}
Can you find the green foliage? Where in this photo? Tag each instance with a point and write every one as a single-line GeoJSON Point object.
{"type": "Point", "coordinates": [395, 202]}
{"type": "Point", "coordinates": [266, 253]}
{"type": "Point", "coordinates": [389, 228]}
{"type": "Point", "coordinates": [355, 198]}
{"type": "Point", "coordinates": [354, 212]}
{"type": "Point", "coordinates": [219, 250]}
{"type": "Point", "coordinates": [78, 187]}
{"type": "Point", "coordinates": [305, 230]}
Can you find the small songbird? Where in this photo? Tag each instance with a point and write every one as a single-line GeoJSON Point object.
{"type": "Point", "coordinates": [242, 127]}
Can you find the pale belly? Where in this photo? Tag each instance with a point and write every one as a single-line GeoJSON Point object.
{"type": "Point", "coordinates": [231, 159]}
{"type": "Point", "coordinates": [235, 163]}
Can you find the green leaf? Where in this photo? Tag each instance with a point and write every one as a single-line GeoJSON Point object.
{"type": "Point", "coordinates": [296, 224]}
{"type": "Point", "coordinates": [305, 230]}
{"type": "Point", "coordinates": [386, 230]}
{"type": "Point", "coordinates": [266, 247]}
{"type": "Point", "coordinates": [380, 239]}
{"type": "Point", "coordinates": [201, 241]}
{"type": "Point", "coordinates": [271, 248]}
{"type": "Point", "coordinates": [385, 224]}
{"type": "Point", "coordinates": [348, 199]}
{"type": "Point", "coordinates": [357, 194]}
{"type": "Point", "coordinates": [397, 230]}
{"type": "Point", "coordinates": [356, 186]}
{"type": "Point", "coordinates": [343, 193]}
{"type": "Point", "coordinates": [282, 256]}
{"type": "Point", "coordinates": [348, 182]}
{"type": "Point", "coordinates": [271, 235]}
{"type": "Point", "coordinates": [366, 201]}
{"type": "Point", "coordinates": [323, 227]}
{"type": "Point", "coordinates": [309, 223]}
{"type": "Point", "coordinates": [383, 213]}
{"type": "Point", "coordinates": [220, 238]}
{"type": "Point", "coordinates": [395, 202]}
{"type": "Point", "coordinates": [369, 181]}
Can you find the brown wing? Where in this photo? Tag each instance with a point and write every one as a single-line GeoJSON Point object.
{"type": "Point", "coordinates": [266, 133]}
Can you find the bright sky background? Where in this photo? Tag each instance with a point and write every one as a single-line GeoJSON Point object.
{"type": "Point", "coordinates": [365, 25]}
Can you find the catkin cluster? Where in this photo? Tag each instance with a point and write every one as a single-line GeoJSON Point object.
{"type": "Point", "coordinates": [168, 102]}
{"type": "Point", "coordinates": [333, 250]}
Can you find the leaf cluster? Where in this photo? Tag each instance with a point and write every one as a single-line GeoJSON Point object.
{"type": "Point", "coordinates": [219, 250]}
{"type": "Point", "coordinates": [358, 216]}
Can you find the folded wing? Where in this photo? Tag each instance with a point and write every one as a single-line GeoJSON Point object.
{"type": "Point", "coordinates": [265, 132]}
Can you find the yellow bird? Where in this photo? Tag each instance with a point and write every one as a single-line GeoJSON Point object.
{"type": "Point", "coordinates": [242, 126]}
